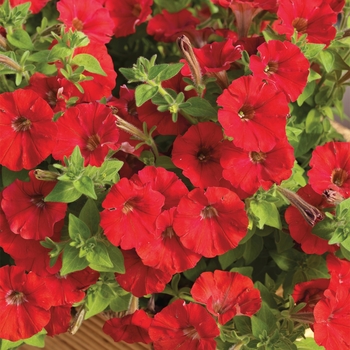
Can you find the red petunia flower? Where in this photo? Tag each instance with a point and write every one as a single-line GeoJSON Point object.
{"type": "Point", "coordinates": [92, 128]}
{"type": "Point", "coordinates": [336, 5]}
{"type": "Point", "coordinates": [198, 153]}
{"type": "Point", "coordinates": [310, 292]}
{"type": "Point", "coordinates": [87, 16]}
{"type": "Point", "coordinates": [165, 126]}
{"type": "Point", "coordinates": [300, 230]}
{"type": "Point", "coordinates": [129, 214]}
{"type": "Point", "coordinates": [28, 133]}
{"type": "Point", "coordinates": [127, 14]}
{"type": "Point", "coordinates": [247, 171]}
{"type": "Point", "coordinates": [226, 294]}
{"type": "Point", "coordinates": [282, 64]}
{"type": "Point", "coordinates": [165, 251]}
{"type": "Point", "coordinates": [56, 91]}
{"type": "Point", "coordinates": [183, 326]}
{"type": "Point", "coordinates": [210, 223]}
{"type": "Point", "coordinates": [59, 320]}
{"type": "Point", "coordinates": [130, 328]}
{"type": "Point", "coordinates": [254, 113]}
{"type": "Point", "coordinates": [339, 270]}
{"type": "Point", "coordinates": [24, 303]}
{"type": "Point", "coordinates": [166, 26]}
{"type": "Point", "coordinates": [27, 213]}
{"type": "Point", "coordinates": [330, 168]}
{"type": "Point", "coordinates": [315, 18]}
{"type": "Point", "coordinates": [163, 181]}
{"type": "Point", "coordinates": [35, 5]}
{"type": "Point", "coordinates": [332, 314]}
{"type": "Point", "coordinates": [140, 279]}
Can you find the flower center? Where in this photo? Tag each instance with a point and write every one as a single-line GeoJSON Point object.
{"type": "Point", "coordinates": [191, 332]}
{"type": "Point", "coordinates": [136, 10]}
{"type": "Point", "coordinates": [339, 176]}
{"type": "Point", "coordinates": [246, 112]}
{"type": "Point", "coordinates": [271, 68]}
{"type": "Point", "coordinates": [38, 200]}
{"type": "Point", "coordinates": [209, 212]}
{"type": "Point", "coordinates": [132, 108]}
{"type": "Point", "coordinates": [204, 155]}
{"type": "Point", "coordinates": [51, 98]}
{"type": "Point", "coordinates": [93, 142]}
{"type": "Point", "coordinates": [15, 298]}
{"type": "Point", "coordinates": [21, 124]}
{"type": "Point", "coordinates": [168, 232]}
{"type": "Point", "coordinates": [257, 157]}
{"type": "Point", "coordinates": [300, 24]}
{"type": "Point", "coordinates": [77, 24]}
{"type": "Point", "coordinates": [128, 207]}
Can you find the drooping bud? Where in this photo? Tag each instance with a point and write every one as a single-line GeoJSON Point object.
{"type": "Point", "coordinates": [310, 213]}
{"type": "Point", "coordinates": [10, 63]}
{"type": "Point", "coordinates": [191, 59]}
{"type": "Point", "coordinates": [45, 175]}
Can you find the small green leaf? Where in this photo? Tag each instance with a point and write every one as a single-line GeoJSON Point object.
{"type": "Point", "coordinates": [85, 186]}
{"type": "Point", "coordinates": [120, 303]}
{"type": "Point", "coordinates": [231, 256]}
{"type": "Point", "coordinates": [96, 302]}
{"type": "Point", "coordinates": [63, 192]}
{"type": "Point", "coordinates": [326, 57]}
{"type": "Point", "coordinates": [266, 213]}
{"type": "Point", "coordinates": [99, 255]}
{"type": "Point", "coordinates": [89, 62]}
{"type": "Point", "coordinates": [144, 93]}
{"type": "Point", "coordinates": [115, 256]}
{"type": "Point", "coordinates": [90, 215]}
{"type": "Point", "coordinates": [59, 52]}
{"type": "Point", "coordinates": [155, 70]}
{"type": "Point", "coordinates": [129, 74]}
{"type": "Point", "coordinates": [200, 108]}
{"type": "Point", "coordinates": [77, 229]}
{"type": "Point", "coordinates": [21, 39]}
{"type": "Point", "coordinates": [308, 344]}
{"type": "Point", "coordinates": [71, 261]}
{"type": "Point", "coordinates": [170, 71]}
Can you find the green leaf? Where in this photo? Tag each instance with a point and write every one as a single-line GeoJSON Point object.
{"type": "Point", "coordinates": [8, 176]}
{"type": "Point", "coordinates": [307, 92]}
{"type": "Point", "coordinates": [286, 261]}
{"type": "Point", "coordinates": [59, 52]}
{"type": "Point", "coordinates": [263, 320]}
{"type": "Point", "coordinates": [243, 324]}
{"type": "Point", "coordinates": [308, 344]}
{"type": "Point", "coordinates": [252, 249]}
{"type": "Point", "coordinates": [71, 261]}
{"type": "Point", "coordinates": [21, 39]}
{"type": "Point", "coordinates": [312, 50]}
{"type": "Point", "coordinates": [89, 62]}
{"type": "Point", "coordinates": [326, 57]}
{"type": "Point", "coordinates": [99, 256]}
{"type": "Point", "coordinates": [231, 256]}
{"type": "Point", "coordinates": [174, 5]}
{"type": "Point", "coordinates": [144, 93]}
{"type": "Point", "coordinates": [77, 229]}
{"type": "Point", "coordinates": [120, 303]}
{"type": "Point", "coordinates": [266, 213]}
{"type": "Point", "coordinates": [85, 186]}
{"type": "Point", "coordinates": [170, 71]}
{"type": "Point", "coordinates": [63, 192]}
{"type": "Point", "coordinates": [90, 215]}
{"type": "Point", "coordinates": [96, 302]}
{"type": "Point", "coordinates": [156, 70]}
{"type": "Point", "coordinates": [200, 108]}
{"type": "Point", "coordinates": [245, 270]}
{"type": "Point", "coordinates": [115, 256]}
{"type": "Point", "coordinates": [129, 74]}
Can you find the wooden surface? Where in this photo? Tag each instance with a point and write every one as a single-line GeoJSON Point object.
{"type": "Point", "coordinates": [88, 337]}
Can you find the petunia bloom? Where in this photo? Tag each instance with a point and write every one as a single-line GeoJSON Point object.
{"type": "Point", "coordinates": [27, 213]}
{"type": "Point", "coordinates": [254, 113]}
{"type": "Point", "coordinates": [164, 250]}
{"type": "Point", "coordinates": [282, 64]}
{"type": "Point", "coordinates": [24, 303]}
{"type": "Point", "coordinates": [339, 270]}
{"type": "Point", "coordinates": [314, 18]}
{"type": "Point", "coordinates": [310, 292]}
{"type": "Point", "coordinates": [183, 326]}
{"type": "Point", "coordinates": [127, 14]}
{"type": "Point", "coordinates": [87, 16]}
{"type": "Point", "coordinates": [140, 279]}
{"type": "Point", "coordinates": [92, 128]}
{"type": "Point", "coordinates": [211, 222]}
{"type": "Point", "coordinates": [248, 170]}
{"type": "Point", "coordinates": [28, 133]}
{"type": "Point", "coordinates": [226, 294]}
{"type": "Point", "coordinates": [330, 168]}
{"type": "Point", "coordinates": [198, 153]}
{"type": "Point", "coordinates": [332, 314]}
{"type": "Point", "coordinates": [129, 214]}
{"type": "Point", "coordinates": [130, 328]}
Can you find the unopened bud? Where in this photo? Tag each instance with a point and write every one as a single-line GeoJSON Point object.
{"type": "Point", "coordinates": [310, 213]}
{"type": "Point", "coordinates": [10, 63]}
{"type": "Point", "coordinates": [45, 175]}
